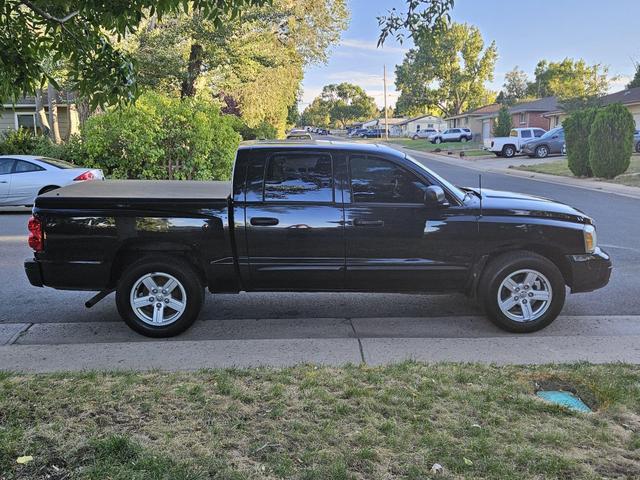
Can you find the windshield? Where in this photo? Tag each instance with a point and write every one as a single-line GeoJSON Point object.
{"type": "Point", "coordinates": [455, 191]}
{"type": "Point", "coordinates": [54, 162]}
{"type": "Point", "coordinates": [551, 133]}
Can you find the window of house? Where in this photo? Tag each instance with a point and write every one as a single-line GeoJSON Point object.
{"type": "Point", "coordinates": [299, 177]}
{"type": "Point", "coordinates": [417, 127]}
{"type": "Point", "coordinates": [466, 120]}
{"type": "Point", "coordinates": [374, 180]}
{"type": "Point", "coordinates": [26, 121]}
{"type": "Point", "coordinates": [523, 118]}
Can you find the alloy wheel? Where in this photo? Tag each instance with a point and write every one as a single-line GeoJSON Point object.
{"type": "Point", "coordinates": [525, 295]}
{"type": "Point", "coordinates": [158, 299]}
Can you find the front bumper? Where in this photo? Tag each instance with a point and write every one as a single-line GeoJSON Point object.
{"type": "Point", "coordinates": [589, 271]}
{"type": "Point", "coordinates": [34, 274]}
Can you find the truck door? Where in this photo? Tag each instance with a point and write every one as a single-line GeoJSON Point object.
{"type": "Point", "coordinates": [294, 221]}
{"type": "Point", "coordinates": [396, 242]}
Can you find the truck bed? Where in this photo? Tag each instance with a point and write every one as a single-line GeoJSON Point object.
{"type": "Point", "coordinates": [135, 191]}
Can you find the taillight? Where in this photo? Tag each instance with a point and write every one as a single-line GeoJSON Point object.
{"type": "Point", "coordinates": [88, 175]}
{"type": "Point", "coordinates": [36, 238]}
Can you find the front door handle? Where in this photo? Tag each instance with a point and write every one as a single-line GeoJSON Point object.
{"type": "Point", "coordinates": [358, 222]}
{"type": "Point", "coordinates": [264, 221]}
{"type": "Point", "coordinates": [3, 181]}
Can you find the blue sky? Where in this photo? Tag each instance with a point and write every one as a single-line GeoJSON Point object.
{"type": "Point", "coordinates": [606, 32]}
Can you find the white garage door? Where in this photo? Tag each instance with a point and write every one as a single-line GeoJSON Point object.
{"type": "Point", "coordinates": [486, 129]}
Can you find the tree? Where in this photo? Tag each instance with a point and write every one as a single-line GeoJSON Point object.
{"type": "Point", "coordinates": [420, 17]}
{"type": "Point", "coordinates": [577, 128]}
{"type": "Point", "coordinates": [316, 114]}
{"type": "Point", "coordinates": [569, 79]}
{"type": "Point", "coordinates": [503, 125]}
{"type": "Point", "coordinates": [81, 33]}
{"type": "Point", "coordinates": [611, 141]}
{"type": "Point", "coordinates": [515, 86]}
{"type": "Point", "coordinates": [448, 69]}
{"type": "Point", "coordinates": [347, 103]}
{"type": "Point", "coordinates": [635, 82]}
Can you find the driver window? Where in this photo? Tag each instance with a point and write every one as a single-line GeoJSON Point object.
{"type": "Point", "coordinates": [374, 180]}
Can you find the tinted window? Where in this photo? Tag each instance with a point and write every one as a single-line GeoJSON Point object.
{"type": "Point", "coordinates": [6, 164]}
{"type": "Point", "coordinates": [555, 131]}
{"type": "Point", "coordinates": [538, 133]}
{"type": "Point", "coordinates": [526, 134]}
{"type": "Point", "coordinates": [23, 167]}
{"type": "Point", "coordinates": [299, 177]}
{"type": "Point", "coordinates": [54, 162]}
{"type": "Point", "coordinates": [377, 180]}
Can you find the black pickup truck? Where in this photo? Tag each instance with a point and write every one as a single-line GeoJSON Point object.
{"type": "Point", "coordinates": [317, 216]}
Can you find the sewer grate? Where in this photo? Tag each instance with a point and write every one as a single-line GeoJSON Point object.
{"type": "Point", "coordinates": [566, 399]}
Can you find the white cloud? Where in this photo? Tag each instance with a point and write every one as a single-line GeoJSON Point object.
{"type": "Point", "coordinates": [619, 83]}
{"type": "Point", "coordinates": [356, 44]}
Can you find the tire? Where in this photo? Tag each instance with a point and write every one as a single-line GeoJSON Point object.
{"type": "Point", "coordinates": [517, 266]}
{"type": "Point", "coordinates": [437, 140]}
{"type": "Point", "coordinates": [188, 291]}
{"type": "Point", "coordinates": [638, 147]}
{"type": "Point", "coordinates": [463, 139]}
{"type": "Point", "coordinates": [508, 151]}
{"type": "Point", "coordinates": [542, 151]}
{"type": "Point", "coordinates": [415, 137]}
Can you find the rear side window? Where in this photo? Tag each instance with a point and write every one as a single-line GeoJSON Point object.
{"type": "Point", "coordinates": [538, 133]}
{"type": "Point", "coordinates": [374, 180]}
{"type": "Point", "coordinates": [24, 167]}
{"type": "Point", "coordinates": [6, 165]}
{"type": "Point", "coordinates": [526, 133]}
{"type": "Point", "coordinates": [299, 177]}
{"type": "Point", "coordinates": [54, 162]}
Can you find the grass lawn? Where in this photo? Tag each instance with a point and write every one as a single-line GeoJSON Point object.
{"type": "Point", "coordinates": [308, 422]}
{"type": "Point", "coordinates": [426, 146]}
{"type": "Point", "coordinates": [630, 177]}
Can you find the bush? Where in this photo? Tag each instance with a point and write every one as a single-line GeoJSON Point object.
{"type": "Point", "coordinates": [611, 141]}
{"type": "Point", "coordinates": [503, 124]}
{"type": "Point", "coordinates": [263, 131]}
{"type": "Point", "coordinates": [162, 138]}
{"type": "Point", "coordinates": [18, 142]}
{"type": "Point", "coordinates": [577, 128]}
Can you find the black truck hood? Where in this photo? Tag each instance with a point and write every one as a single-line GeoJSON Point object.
{"type": "Point", "coordinates": [495, 202]}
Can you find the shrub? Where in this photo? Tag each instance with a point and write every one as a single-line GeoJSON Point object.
{"type": "Point", "coordinates": [503, 124]}
{"type": "Point", "coordinates": [611, 141]}
{"type": "Point", "coordinates": [263, 131]}
{"type": "Point", "coordinates": [577, 128]}
{"type": "Point", "coordinates": [162, 138]}
{"type": "Point", "coordinates": [18, 142]}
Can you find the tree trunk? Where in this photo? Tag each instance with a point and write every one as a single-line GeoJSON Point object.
{"type": "Point", "coordinates": [41, 118]}
{"type": "Point", "coordinates": [53, 114]}
{"type": "Point", "coordinates": [193, 71]}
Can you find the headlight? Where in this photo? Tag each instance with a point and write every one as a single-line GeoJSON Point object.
{"type": "Point", "coordinates": [590, 239]}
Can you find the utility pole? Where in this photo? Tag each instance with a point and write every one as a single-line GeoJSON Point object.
{"type": "Point", "coordinates": [386, 119]}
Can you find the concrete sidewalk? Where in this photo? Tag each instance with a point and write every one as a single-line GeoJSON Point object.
{"type": "Point", "coordinates": [332, 341]}
{"type": "Point", "coordinates": [505, 166]}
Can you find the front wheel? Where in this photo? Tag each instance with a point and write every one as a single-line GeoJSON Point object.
{"type": "Point", "coordinates": [638, 147]}
{"type": "Point", "coordinates": [159, 297]}
{"type": "Point", "coordinates": [542, 151]}
{"type": "Point", "coordinates": [522, 292]}
{"type": "Point", "coordinates": [415, 137]}
{"type": "Point", "coordinates": [437, 140]}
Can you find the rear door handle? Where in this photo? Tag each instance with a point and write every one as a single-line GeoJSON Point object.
{"type": "Point", "coordinates": [358, 222]}
{"type": "Point", "coordinates": [3, 181]}
{"type": "Point", "coordinates": [264, 221]}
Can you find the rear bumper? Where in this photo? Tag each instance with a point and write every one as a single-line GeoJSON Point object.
{"type": "Point", "coordinates": [589, 271]}
{"type": "Point", "coordinates": [34, 274]}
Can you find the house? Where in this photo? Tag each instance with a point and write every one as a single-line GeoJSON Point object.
{"type": "Point", "coordinates": [410, 126]}
{"type": "Point", "coordinates": [22, 114]}
{"type": "Point", "coordinates": [630, 98]}
{"type": "Point", "coordinates": [472, 119]}
{"type": "Point", "coordinates": [530, 114]}
{"type": "Point", "coordinates": [379, 123]}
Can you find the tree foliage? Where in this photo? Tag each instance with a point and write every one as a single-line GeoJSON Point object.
{"type": "Point", "coordinates": [503, 124]}
{"type": "Point", "coordinates": [515, 86]}
{"type": "Point", "coordinates": [448, 70]}
{"type": "Point", "coordinates": [81, 34]}
{"type": "Point", "coordinates": [420, 17]}
{"type": "Point", "coordinates": [635, 81]}
{"type": "Point", "coordinates": [611, 141]}
{"type": "Point", "coordinates": [569, 79]}
{"type": "Point", "coordinates": [340, 104]}
{"type": "Point", "coordinates": [577, 128]}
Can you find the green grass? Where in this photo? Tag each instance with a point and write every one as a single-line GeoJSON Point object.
{"type": "Point", "coordinates": [308, 422]}
{"type": "Point", "coordinates": [425, 145]}
{"type": "Point", "coordinates": [631, 177]}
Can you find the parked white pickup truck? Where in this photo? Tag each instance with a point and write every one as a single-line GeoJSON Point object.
{"type": "Point", "coordinates": [511, 145]}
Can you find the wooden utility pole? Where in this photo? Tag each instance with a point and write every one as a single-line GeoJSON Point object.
{"type": "Point", "coordinates": [386, 119]}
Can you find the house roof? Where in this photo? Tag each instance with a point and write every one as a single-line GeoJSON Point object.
{"type": "Point", "coordinates": [546, 104]}
{"type": "Point", "coordinates": [629, 96]}
{"type": "Point", "coordinates": [408, 120]}
{"type": "Point", "coordinates": [477, 112]}
{"type": "Point", "coordinates": [390, 121]}
{"type": "Point", "coordinates": [30, 100]}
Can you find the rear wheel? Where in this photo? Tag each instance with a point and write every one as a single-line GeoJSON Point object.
{"type": "Point", "coordinates": [522, 292]}
{"type": "Point", "coordinates": [638, 147]}
{"type": "Point", "coordinates": [415, 137]}
{"type": "Point", "coordinates": [159, 297]}
{"type": "Point", "coordinates": [508, 151]}
{"type": "Point", "coordinates": [437, 140]}
{"type": "Point", "coordinates": [463, 139]}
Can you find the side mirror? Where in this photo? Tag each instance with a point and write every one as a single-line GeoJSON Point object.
{"type": "Point", "coordinates": [434, 194]}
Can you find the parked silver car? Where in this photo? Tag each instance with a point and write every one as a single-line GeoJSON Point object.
{"type": "Point", "coordinates": [424, 133]}
{"type": "Point", "coordinates": [549, 143]}
{"type": "Point", "coordinates": [24, 177]}
{"type": "Point", "coordinates": [636, 141]}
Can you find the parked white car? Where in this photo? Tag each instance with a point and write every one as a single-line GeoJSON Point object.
{"type": "Point", "coordinates": [512, 145]}
{"type": "Point", "coordinates": [452, 135]}
{"type": "Point", "coordinates": [24, 177]}
{"type": "Point", "coordinates": [424, 133]}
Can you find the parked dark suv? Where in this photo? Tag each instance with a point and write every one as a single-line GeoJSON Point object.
{"type": "Point", "coordinates": [550, 143]}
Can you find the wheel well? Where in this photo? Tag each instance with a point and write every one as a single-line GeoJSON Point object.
{"type": "Point", "coordinates": [47, 188]}
{"type": "Point", "coordinates": [508, 145]}
{"type": "Point", "coordinates": [130, 254]}
{"type": "Point", "coordinates": [555, 256]}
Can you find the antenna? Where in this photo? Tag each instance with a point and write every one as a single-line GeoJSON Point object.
{"type": "Point", "coordinates": [480, 191]}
